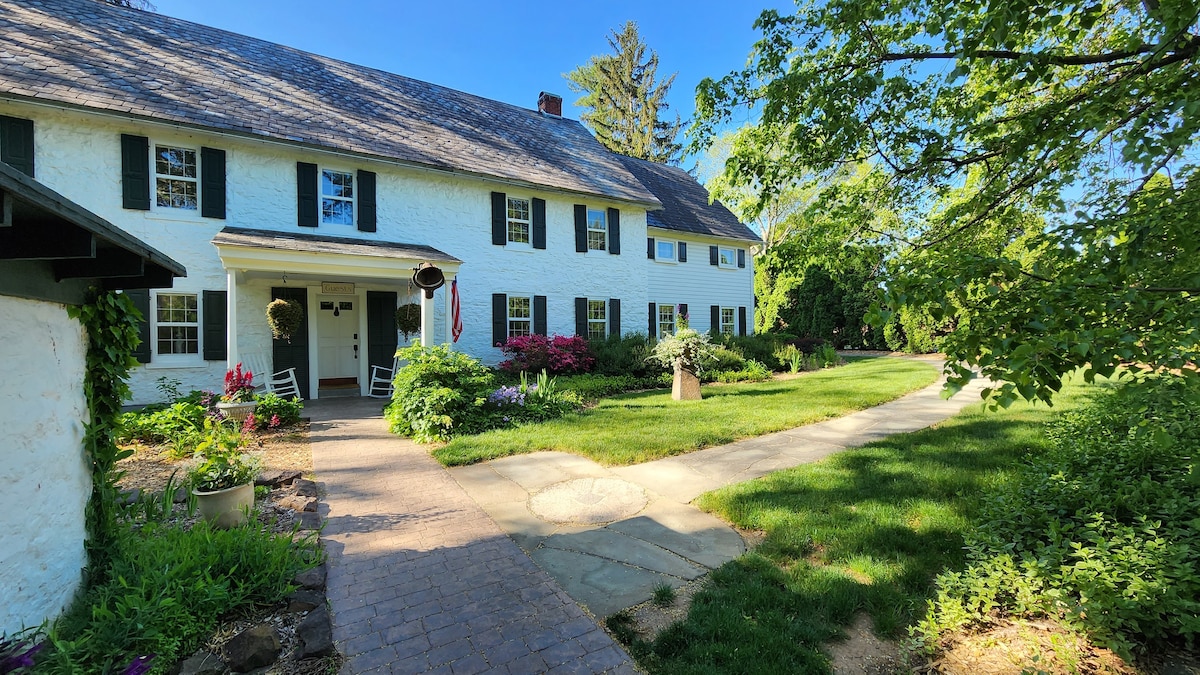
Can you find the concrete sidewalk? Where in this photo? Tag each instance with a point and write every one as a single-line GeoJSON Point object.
{"type": "Point", "coordinates": [420, 579]}
{"type": "Point", "coordinates": [610, 536]}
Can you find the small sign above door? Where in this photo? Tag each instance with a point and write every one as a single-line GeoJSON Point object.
{"type": "Point", "coordinates": [339, 288]}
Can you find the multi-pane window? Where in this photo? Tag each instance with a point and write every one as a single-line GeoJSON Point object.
{"type": "Point", "coordinates": [520, 316]}
{"type": "Point", "coordinates": [727, 257]}
{"type": "Point", "coordinates": [665, 250]}
{"type": "Point", "coordinates": [727, 321]}
{"type": "Point", "coordinates": [177, 321]}
{"type": "Point", "coordinates": [518, 220]}
{"type": "Point", "coordinates": [337, 197]}
{"type": "Point", "coordinates": [175, 177]}
{"type": "Point", "coordinates": [597, 230]}
{"type": "Point", "coordinates": [666, 320]}
{"type": "Point", "coordinates": [597, 319]}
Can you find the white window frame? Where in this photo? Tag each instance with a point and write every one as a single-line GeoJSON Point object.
{"type": "Point", "coordinates": [194, 180]}
{"type": "Point", "coordinates": [673, 322]}
{"type": "Point", "coordinates": [322, 196]}
{"type": "Point", "coordinates": [511, 319]}
{"type": "Point", "coordinates": [659, 243]}
{"type": "Point", "coordinates": [602, 231]}
{"type": "Point", "coordinates": [160, 359]}
{"type": "Point", "coordinates": [721, 251]}
{"type": "Point", "coordinates": [601, 321]}
{"type": "Point", "coordinates": [510, 221]}
{"type": "Point", "coordinates": [730, 327]}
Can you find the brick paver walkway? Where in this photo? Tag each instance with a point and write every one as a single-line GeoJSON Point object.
{"type": "Point", "coordinates": [420, 578]}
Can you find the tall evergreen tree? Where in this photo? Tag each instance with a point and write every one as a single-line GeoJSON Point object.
{"type": "Point", "coordinates": [624, 102]}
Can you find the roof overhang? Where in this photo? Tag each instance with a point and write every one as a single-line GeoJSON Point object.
{"type": "Point", "coordinates": [300, 256]}
{"type": "Point", "coordinates": [54, 249]}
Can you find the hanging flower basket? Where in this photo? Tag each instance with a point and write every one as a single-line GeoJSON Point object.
{"type": "Point", "coordinates": [408, 319]}
{"type": "Point", "coordinates": [284, 317]}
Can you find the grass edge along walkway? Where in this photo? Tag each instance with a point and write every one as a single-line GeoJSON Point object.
{"type": "Point", "coordinates": [644, 426]}
{"type": "Point", "coordinates": [867, 529]}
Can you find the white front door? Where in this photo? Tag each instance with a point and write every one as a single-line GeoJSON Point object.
{"type": "Point", "coordinates": [337, 341]}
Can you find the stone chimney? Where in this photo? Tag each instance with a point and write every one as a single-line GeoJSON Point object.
{"type": "Point", "coordinates": [550, 104]}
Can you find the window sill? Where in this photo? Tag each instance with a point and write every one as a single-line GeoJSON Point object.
{"type": "Point", "coordinates": [666, 261]}
{"type": "Point", "coordinates": [176, 217]}
{"type": "Point", "coordinates": [160, 362]}
{"type": "Point", "coordinates": [520, 248]}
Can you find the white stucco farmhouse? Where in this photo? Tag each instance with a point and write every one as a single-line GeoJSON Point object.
{"type": "Point", "coordinates": [275, 173]}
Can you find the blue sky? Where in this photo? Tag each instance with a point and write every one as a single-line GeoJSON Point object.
{"type": "Point", "coordinates": [504, 51]}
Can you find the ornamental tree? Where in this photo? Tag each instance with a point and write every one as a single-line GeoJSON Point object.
{"type": "Point", "coordinates": [1040, 159]}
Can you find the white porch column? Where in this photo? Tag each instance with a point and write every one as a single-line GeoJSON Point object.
{"type": "Point", "coordinates": [427, 339]}
{"type": "Point", "coordinates": [231, 350]}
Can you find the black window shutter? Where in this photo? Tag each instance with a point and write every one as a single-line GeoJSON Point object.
{"type": "Point", "coordinates": [499, 319]}
{"type": "Point", "coordinates": [216, 320]}
{"type": "Point", "coordinates": [307, 205]}
{"type": "Point", "coordinates": [539, 314]}
{"type": "Point", "coordinates": [650, 247]}
{"type": "Point", "coordinates": [539, 223]}
{"type": "Point", "coordinates": [715, 318]}
{"type": "Point", "coordinates": [212, 184]}
{"type": "Point", "coordinates": [614, 317]}
{"type": "Point", "coordinates": [135, 172]}
{"type": "Point", "coordinates": [741, 257]}
{"type": "Point", "coordinates": [581, 317]}
{"type": "Point", "coordinates": [141, 300]}
{"type": "Point", "coordinates": [580, 228]}
{"type": "Point", "coordinates": [16, 143]}
{"type": "Point", "coordinates": [500, 222]}
{"type": "Point", "coordinates": [682, 309]}
{"type": "Point", "coordinates": [614, 231]}
{"type": "Point", "coordinates": [683, 251]}
{"type": "Point", "coordinates": [741, 320]}
{"type": "Point", "coordinates": [653, 327]}
{"type": "Point", "coordinates": [712, 255]}
{"type": "Point", "coordinates": [367, 211]}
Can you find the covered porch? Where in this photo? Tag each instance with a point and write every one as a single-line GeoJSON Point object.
{"type": "Point", "coordinates": [349, 290]}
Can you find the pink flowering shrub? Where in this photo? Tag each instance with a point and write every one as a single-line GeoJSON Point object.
{"type": "Point", "coordinates": [558, 355]}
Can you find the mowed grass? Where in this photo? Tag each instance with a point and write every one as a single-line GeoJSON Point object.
{"type": "Point", "coordinates": [640, 427]}
{"type": "Point", "coordinates": [867, 529]}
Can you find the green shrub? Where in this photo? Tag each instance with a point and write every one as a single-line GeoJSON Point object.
{"type": "Point", "coordinates": [1101, 531]}
{"type": "Point", "coordinates": [273, 411]}
{"type": "Point", "coordinates": [826, 357]}
{"type": "Point", "coordinates": [164, 425]}
{"type": "Point", "coordinates": [439, 393]}
{"type": "Point", "coordinates": [592, 387]}
{"type": "Point", "coordinates": [753, 371]}
{"type": "Point", "coordinates": [916, 331]}
{"type": "Point", "coordinates": [166, 591]}
{"type": "Point", "coordinates": [727, 359]}
{"type": "Point", "coordinates": [625, 355]}
{"type": "Point", "coordinates": [761, 347]}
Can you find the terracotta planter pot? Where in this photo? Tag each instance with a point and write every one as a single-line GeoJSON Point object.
{"type": "Point", "coordinates": [226, 508]}
{"type": "Point", "coordinates": [238, 412]}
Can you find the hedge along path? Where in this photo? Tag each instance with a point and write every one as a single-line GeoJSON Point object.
{"type": "Point", "coordinates": [645, 426]}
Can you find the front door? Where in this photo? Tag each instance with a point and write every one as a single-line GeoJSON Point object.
{"type": "Point", "coordinates": [337, 341]}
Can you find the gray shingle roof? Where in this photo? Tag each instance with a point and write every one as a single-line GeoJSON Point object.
{"type": "Point", "coordinates": [91, 54]}
{"type": "Point", "coordinates": [313, 243]}
{"type": "Point", "coordinates": [685, 202]}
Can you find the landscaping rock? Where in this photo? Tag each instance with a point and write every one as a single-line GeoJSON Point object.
{"type": "Point", "coordinates": [313, 579]}
{"type": "Point", "coordinates": [252, 648]}
{"type": "Point", "coordinates": [274, 479]}
{"type": "Point", "coordinates": [309, 520]}
{"type": "Point", "coordinates": [305, 600]}
{"type": "Point", "coordinates": [299, 503]}
{"type": "Point", "coordinates": [686, 385]}
{"type": "Point", "coordinates": [128, 497]}
{"type": "Point", "coordinates": [305, 488]}
{"type": "Point", "coordinates": [202, 663]}
{"type": "Point", "coordinates": [181, 495]}
{"type": "Point", "coordinates": [315, 634]}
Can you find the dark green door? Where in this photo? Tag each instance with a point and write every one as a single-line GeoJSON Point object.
{"type": "Point", "coordinates": [293, 353]}
{"type": "Point", "coordinates": [381, 328]}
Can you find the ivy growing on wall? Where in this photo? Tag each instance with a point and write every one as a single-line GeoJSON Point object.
{"type": "Point", "coordinates": [111, 322]}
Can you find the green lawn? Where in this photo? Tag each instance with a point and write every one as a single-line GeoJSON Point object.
{"type": "Point", "coordinates": [867, 529]}
{"type": "Point", "coordinates": [634, 428]}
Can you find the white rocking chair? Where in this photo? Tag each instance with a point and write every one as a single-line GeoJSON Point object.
{"type": "Point", "coordinates": [282, 383]}
{"type": "Point", "coordinates": [382, 379]}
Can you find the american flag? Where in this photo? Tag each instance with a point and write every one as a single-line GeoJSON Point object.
{"type": "Point", "coordinates": [455, 311]}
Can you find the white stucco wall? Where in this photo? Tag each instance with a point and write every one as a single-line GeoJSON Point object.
{"type": "Point", "coordinates": [79, 154]}
{"type": "Point", "coordinates": [42, 466]}
{"type": "Point", "coordinates": [697, 283]}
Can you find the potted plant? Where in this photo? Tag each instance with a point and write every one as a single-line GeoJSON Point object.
{"type": "Point", "coordinates": [284, 317]}
{"type": "Point", "coordinates": [222, 478]}
{"type": "Point", "coordinates": [688, 352]}
{"type": "Point", "coordinates": [238, 400]}
{"type": "Point", "coordinates": [408, 319]}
